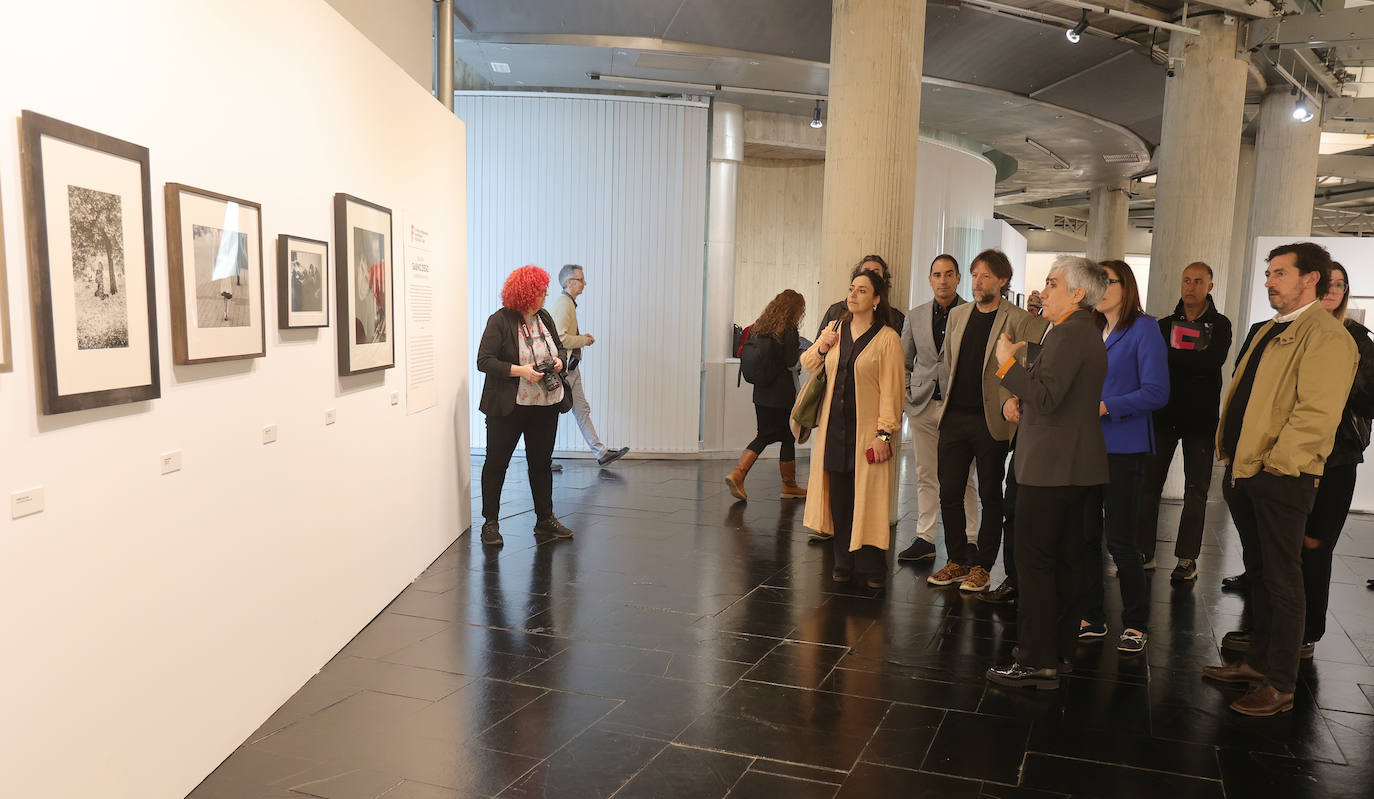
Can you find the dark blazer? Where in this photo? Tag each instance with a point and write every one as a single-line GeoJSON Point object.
{"type": "Point", "coordinates": [499, 350]}
{"type": "Point", "coordinates": [786, 351]}
{"type": "Point", "coordinates": [1059, 441]}
{"type": "Point", "coordinates": [1137, 384]}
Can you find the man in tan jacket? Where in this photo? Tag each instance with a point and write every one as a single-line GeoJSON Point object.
{"type": "Point", "coordinates": [563, 308]}
{"type": "Point", "coordinates": [1278, 423]}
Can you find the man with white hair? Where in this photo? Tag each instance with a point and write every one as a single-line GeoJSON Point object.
{"type": "Point", "coordinates": [1060, 451]}
{"type": "Point", "coordinates": [563, 308]}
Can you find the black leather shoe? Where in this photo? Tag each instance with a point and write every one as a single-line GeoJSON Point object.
{"type": "Point", "coordinates": [553, 527]}
{"type": "Point", "coordinates": [1004, 594]}
{"type": "Point", "coordinates": [491, 534]}
{"type": "Point", "coordinates": [1236, 641]}
{"type": "Point", "coordinates": [920, 549]}
{"type": "Point", "coordinates": [842, 574]}
{"type": "Point", "coordinates": [1018, 676]}
{"type": "Point", "coordinates": [877, 580]}
{"type": "Point", "coordinates": [1236, 582]}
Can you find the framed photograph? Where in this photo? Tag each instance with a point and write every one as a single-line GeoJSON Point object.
{"type": "Point", "coordinates": [214, 270]}
{"type": "Point", "coordinates": [88, 213]}
{"type": "Point", "coordinates": [302, 282]}
{"type": "Point", "coordinates": [362, 276]}
{"type": "Point", "coordinates": [6, 362]}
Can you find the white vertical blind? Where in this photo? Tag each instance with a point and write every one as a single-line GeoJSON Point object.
{"type": "Point", "coordinates": [617, 185]}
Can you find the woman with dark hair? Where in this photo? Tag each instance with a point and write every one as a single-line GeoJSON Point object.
{"type": "Point", "coordinates": [776, 344]}
{"type": "Point", "coordinates": [524, 363]}
{"type": "Point", "coordinates": [848, 495]}
{"type": "Point", "coordinates": [1137, 384]}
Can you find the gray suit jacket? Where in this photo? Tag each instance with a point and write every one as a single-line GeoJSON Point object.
{"type": "Point", "coordinates": [924, 367]}
{"type": "Point", "coordinates": [1016, 322]}
{"type": "Point", "coordinates": [1060, 441]}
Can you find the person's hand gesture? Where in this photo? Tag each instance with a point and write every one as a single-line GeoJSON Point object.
{"type": "Point", "coordinates": [1011, 410]}
{"type": "Point", "coordinates": [590, 339]}
{"type": "Point", "coordinates": [1006, 349]}
{"type": "Point", "coordinates": [829, 338]}
{"type": "Point", "coordinates": [527, 371]}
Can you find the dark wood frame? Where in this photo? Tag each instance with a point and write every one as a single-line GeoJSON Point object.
{"type": "Point", "coordinates": [176, 274]}
{"type": "Point", "coordinates": [342, 282]}
{"type": "Point", "coordinates": [284, 282]}
{"type": "Point", "coordinates": [33, 127]}
{"type": "Point", "coordinates": [6, 364]}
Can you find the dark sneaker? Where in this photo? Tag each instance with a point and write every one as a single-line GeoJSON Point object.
{"type": "Point", "coordinates": [1004, 594]}
{"type": "Point", "coordinates": [1236, 582]}
{"type": "Point", "coordinates": [1185, 570]}
{"type": "Point", "coordinates": [1132, 642]}
{"type": "Point", "coordinates": [920, 549]}
{"type": "Point", "coordinates": [877, 580]}
{"type": "Point", "coordinates": [817, 536]}
{"type": "Point", "coordinates": [1308, 650]}
{"type": "Point", "coordinates": [1087, 631]}
{"type": "Point", "coordinates": [553, 527]}
{"type": "Point", "coordinates": [491, 534]}
{"type": "Point", "coordinates": [557, 467]}
{"type": "Point", "coordinates": [1236, 641]}
{"type": "Point", "coordinates": [612, 455]}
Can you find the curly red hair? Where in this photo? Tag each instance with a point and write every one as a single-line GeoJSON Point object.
{"type": "Point", "coordinates": [524, 288]}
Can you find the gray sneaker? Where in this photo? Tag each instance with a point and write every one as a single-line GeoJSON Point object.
{"type": "Point", "coordinates": [491, 534]}
{"type": "Point", "coordinates": [1185, 570]}
{"type": "Point", "coordinates": [553, 527]}
{"type": "Point", "coordinates": [612, 455]}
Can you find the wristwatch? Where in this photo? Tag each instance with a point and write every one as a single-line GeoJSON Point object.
{"type": "Point", "coordinates": [884, 436]}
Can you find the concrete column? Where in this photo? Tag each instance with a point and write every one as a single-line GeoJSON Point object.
{"type": "Point", "coordinates": [727, 151]}
{"type": "Point", "coordinates": [1204, 105]}
{"type": "Point", "coordinates": [1107, 222]}
{"type": "Point", "coordinates": [1233, 284]}
{"type": "Point", "coordinates": [444, 36]}
{"type": "Point", "coordinates": [873, 130]}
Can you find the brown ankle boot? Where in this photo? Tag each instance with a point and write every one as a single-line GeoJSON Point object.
{"type": "Point", "coordinates": [790, 489]}
{"type": "Point", "coordinates": [735, 479]}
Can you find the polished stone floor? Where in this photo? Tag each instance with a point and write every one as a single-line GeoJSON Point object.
{"type": "Point", "coordinates": [684, 645]}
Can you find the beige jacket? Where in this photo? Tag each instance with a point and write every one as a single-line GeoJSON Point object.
{"type": "Point", "coordinates": [1021, 325]}
{"type": "Point", "coordinates": [1300, 390]}
{"type": "Point", "coordinates": [879, 385]}
{"type": "Point", "coordinates": [564, 313]}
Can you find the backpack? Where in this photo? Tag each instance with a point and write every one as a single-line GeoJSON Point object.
{"type": "Point", "coordinates": [756, 363]}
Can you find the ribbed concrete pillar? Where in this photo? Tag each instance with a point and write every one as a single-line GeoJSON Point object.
{"type": "Point", "coordinates": [727, 152]}
{"type": "Point", "coordinates": [1233, 283]}
{"type": "Point", "coordinates": [1204, 106]}
{"type": "Point", "coordinates": [1108, 210]}
{"type": "Point", "coordinates": [873, 131]}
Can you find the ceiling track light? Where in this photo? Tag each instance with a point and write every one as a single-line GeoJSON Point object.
{"type": "Point", "coordinates": [1061, 163]}
{"type": "Point", "coordinates": [1076, 32]}
{"type": "Point", "coordinates": [1302, 111]}
{"type": "Point", "coordinates": [816, 117]}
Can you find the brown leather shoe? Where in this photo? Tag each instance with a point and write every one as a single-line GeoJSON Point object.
{"type": "Point", "coordinates": [735, 479]}
{"type": "Point", "coordinates": [1263, 701]}
{"type": "Point", "coordinates": [790, 489]}
{"type": "Point", "coordinates": [1239, 671]}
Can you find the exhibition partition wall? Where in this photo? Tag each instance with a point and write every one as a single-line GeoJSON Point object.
{"type": "Point", "coordinates": [618, 185]}
{"type": "Point", "coordinates": [169, 578]}
{"type": "Point", "coordinates": [954, 194]}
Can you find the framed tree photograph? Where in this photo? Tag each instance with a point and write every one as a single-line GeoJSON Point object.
{"type": "Point", "coordinates": [302, 282]}
{"type": "Point", "coordinates": [362, 276]}
{"type": "Point", "coordinates": [88, 214]}
{"type": "Point", "coordinates": [214, 270]}
{"type": "Point", "coordinates": [6, 360]}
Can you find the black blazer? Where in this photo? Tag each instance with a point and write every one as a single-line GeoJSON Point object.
{"type": "Point", "coordinates": [499, 350]}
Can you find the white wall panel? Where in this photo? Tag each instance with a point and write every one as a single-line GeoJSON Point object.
{"type": "Point", "coordinates": [617, 185]}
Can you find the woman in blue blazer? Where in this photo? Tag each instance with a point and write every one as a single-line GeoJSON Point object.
{"type": "Point", "coordinates": [1137, 383]}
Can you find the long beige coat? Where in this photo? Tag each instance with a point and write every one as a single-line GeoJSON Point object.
{"type": "Point", "coordinates": [879, 378]}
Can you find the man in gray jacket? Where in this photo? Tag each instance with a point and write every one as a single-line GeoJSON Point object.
{"type": "Point", "coordinates": [927, 380]}
{"type": "Point", "coordinates": [563, 309]}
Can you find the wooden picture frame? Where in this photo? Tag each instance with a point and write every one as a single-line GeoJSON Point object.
{"type": "Point", "coordinates": [214, 273]}
{"type": "Point", "coordinates": [363, 285]}
{"type": "Point", "coordinates": [302, 282]}
{"type": "Point", "coordinates": [6, 349]}
{"type": "Point", "coordinates": [88, 216]}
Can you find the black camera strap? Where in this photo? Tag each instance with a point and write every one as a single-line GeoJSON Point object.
{"type": "Point", "coordinates": [529, 339]}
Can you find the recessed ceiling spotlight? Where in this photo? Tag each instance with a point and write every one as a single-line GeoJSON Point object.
{"type": "Point", "coordinates": [1058, 116]}
{"type": "Point", "coordinates": [816, 117]}
{"type": "Point", "coordinates": [753, 63]}
{"type": "Point", "coordinates": [1076, 32]}
{"type": "Point", "coordinates": [500, 66]}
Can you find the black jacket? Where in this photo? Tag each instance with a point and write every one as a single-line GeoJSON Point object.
{"type": "Point", "coordinates": [785, 350]}
{"type": "Point", "coordinates": [1195, 375]}
{"type": "Point", "coordinates": [839, 309]}
{"type": "Point", "coordinates": [499, 350]}
{"type": "Point", "coordinates": [1352, 436]}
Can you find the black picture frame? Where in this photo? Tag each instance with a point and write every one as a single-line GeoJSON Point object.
{"type": "Point", "coordinates": [364, 346]}
{"type": "Point", "coordinates": [285, 290]}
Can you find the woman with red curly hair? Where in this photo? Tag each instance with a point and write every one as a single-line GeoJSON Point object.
{"type": "Point", "coordinates": [523, 393]}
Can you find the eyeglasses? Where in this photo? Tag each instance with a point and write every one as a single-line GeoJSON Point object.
{"type": "Point", "coordinates": [578, 279]}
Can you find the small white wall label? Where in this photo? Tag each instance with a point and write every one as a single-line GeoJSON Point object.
{"type": "Point", "coordinates": [26, 503]}
{"type": "Point", "coordinates": [269, 434]}
{"type": "Point", "coordinates": [171, 461]}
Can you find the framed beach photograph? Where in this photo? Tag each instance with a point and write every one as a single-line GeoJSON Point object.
{"type": "Point", "coordinates": [362, 277]}
{"type": "Point", "coordinates": [214, 270]}
{"type": "Point", "coordinates": [6, 359]}
{"type": "Point", "coordinates": [302, 282]}
{"type": "Point", "coordinates": [88, 214]}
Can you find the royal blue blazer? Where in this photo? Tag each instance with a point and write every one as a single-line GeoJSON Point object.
{"type": "Point", "coordinates": [1137, 384]}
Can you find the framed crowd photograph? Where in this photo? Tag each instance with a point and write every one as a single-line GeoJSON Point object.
{"type": "Point", "coordinates": [88, 213]}
{"type": "Point", "coordinates": [302, 282]}
{"type": "Point", "coordinates": [362, 276]}
{"type": "Point", "coordinates": [6, 361]}
{"type": "Point", "coordinates": [214, 269]}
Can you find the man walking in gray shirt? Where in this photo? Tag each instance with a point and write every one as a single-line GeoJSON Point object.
{"type": "Point", "coordinates": [563, 308]}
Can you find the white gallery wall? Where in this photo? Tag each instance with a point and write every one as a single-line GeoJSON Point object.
{"type": "Point", "coordinates": [954, 194]}
{"type": "Point", "coordinates": [618, 185]}
{"type": "Point", "coordinates": [152, 622]}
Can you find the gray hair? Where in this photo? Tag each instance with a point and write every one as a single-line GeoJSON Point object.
{"type": "Point", "coordinates": [1081, 273]}
{"type": "Point", "coordinates": [565, 274]}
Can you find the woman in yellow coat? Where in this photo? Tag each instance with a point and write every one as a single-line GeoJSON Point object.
{"type": "Point", "coordinates": [851, 458]}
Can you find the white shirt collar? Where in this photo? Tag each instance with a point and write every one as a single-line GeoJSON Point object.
{"type": "Point", "coordinates": [1286, 318]}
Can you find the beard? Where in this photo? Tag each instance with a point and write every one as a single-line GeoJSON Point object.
{"type": "Point", "coordinates": [986, 297]}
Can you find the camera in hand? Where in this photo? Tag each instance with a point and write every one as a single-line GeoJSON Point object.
{"type": "Point", "coordinates": [549, 368]}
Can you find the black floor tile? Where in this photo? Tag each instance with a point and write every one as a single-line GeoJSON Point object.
{"type": "Point", "coordinates": [904, 737]}
{"type": "Point", "coordinates": [594, 764]}
{"type": "Point", "coordinates": [679, 772]}
{"type": "Point", "coordinates": [976, 746]}
{"type": "Point", "coordinates": [546, 724]}
{"type": "Point", "coordinates": [757, 785]}
{"type": "Point", "coordinates": [467, 713]}
{"type": "Point", "coordinates": [1258, 774]}
{"type": "Point", "coordinates": [1088, 779]}
{"type": "Point", "coordinates": [870, 779]}
{"type": "Point", "coordinates": [794, 663]}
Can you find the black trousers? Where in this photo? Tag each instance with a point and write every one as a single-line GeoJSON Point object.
{"type": "Point", "coordinates": [1009, 523]}
{"type": "Point", "coordinates": [1199, 450]}
{"type": "Point", "coordinates": [965, 440]}
{"type": "Point", "coordinates": [773, 428]}
{"type": "Point", "coordinates": [868, 559]}
{"type": "Point", "coordinates": [1049, 548]}
{"type": "Point", "coordinates": [1329, 512]}
{"type": "Point", "coordinates": [1111, 509]}
{"type": "Point", "coordinates": [1270, 513]}
{"type": "Point", "coordinates": [539, 426]}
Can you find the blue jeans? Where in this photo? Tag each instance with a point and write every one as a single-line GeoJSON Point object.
{"type": "Point", "coordinates": [1113, 508]}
